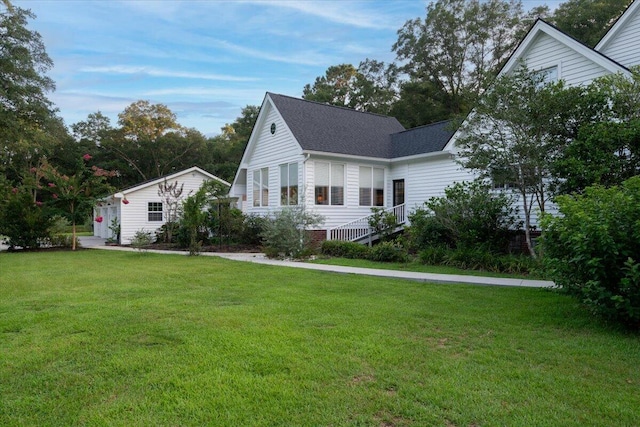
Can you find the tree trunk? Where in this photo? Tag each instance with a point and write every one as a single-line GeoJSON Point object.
{"type": "Point", "coordinates": [73, 235]}
{"type": "Point", "coordinates": [527, 224]}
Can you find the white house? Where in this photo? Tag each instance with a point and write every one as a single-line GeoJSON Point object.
{"type": "Point", "coordinates": [340, 163]}
{"type": "Point", "coordinates": [141, 207]}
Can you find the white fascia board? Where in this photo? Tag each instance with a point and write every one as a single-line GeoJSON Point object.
{"type": "Point", "coordinates": [432, 155]}
{"type": "Point", "coordinates": [618, 25]}
{"type": "Point", "coordinates": [542, 27]}
{"type": "Point", "coordinates": [339, 156]}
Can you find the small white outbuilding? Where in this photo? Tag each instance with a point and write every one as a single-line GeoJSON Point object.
{"type": "Point", "coordinates": [141, 207]}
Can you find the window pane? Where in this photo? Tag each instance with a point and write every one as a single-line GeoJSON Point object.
{"type": "Point", "coordinates": [365, 181]}
{"type": "Point", "coordinates": [154, 211]}
{"type": "Point", "coordinates": [256, 188]}
{"type": "Point", "coordinates": [337, 196]}
{"type": "Point", "coordinates": [293, 183]}
{"type": "Point", "coordinates": [337, 185]}
{"type": "Point", "coordinates": [321, 181]}
{"type": "Point", "coordinates": [284, 184]}
{"type": "Point", "coordinates": [265, 186]}
{"type": "Point", "coordinates": [322, 195]}
{"type": "Point", "coordinates": [378, 186]}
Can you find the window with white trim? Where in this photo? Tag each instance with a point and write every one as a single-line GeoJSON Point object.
{"type": "Point", "coordinates": [547, 75]}
{"type": "Point", "coordinates": [261, 187]}
{"type": "Point", "coordinates": [371, 183]}
{"type": "Point", "coordinates": [154, 211]}
{"type": "Point", "coordinates": [289, 184]}
{"type": "Point", "coordinates": [329, 183]}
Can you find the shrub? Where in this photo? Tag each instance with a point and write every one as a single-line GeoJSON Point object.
{"type": "Point", "coordinates": [592, 250]}
{"type": "Point", "coordinates": [252, 228]}
{"type": "Point", "coordinates": [342, 249]}
{"type": "Point", "coordinates": [285, 235]}
{"type": "Point", "coordinates": [382, 222]}
{"type": "Point", "coordinates": [388, 252]}
{"type": "Point", "coordinates": [470, 214]}
{"type": "Point", "coordinates": [478, 259]}
{"type": "Point", "coordinates": [141, 239]}
{"type": "Point", "coordinates": [23, 222]}
{"type": "Point", "coordinates": [433, 255]}
{"type": "Point", "coordinates": [58, 232]}
{"type": "Point", "coordinates": [426, 231]}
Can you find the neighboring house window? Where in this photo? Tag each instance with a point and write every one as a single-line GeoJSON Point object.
{"type": "Point", "coordinates": [154, 211]}
{"type": "Point", "coordinates": [261, 187]}
{"type": "Point", "coordinates": [329, 183]}
{"type": "Point", "coordinates": [371, 186]}
{"type": "Point", "coordinates": [547, 75]}
{"type": "Point", "coordinates": [289, 184]}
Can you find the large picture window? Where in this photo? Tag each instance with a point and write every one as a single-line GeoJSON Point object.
{"type": "Point", "coordinates": [289, 184]}
{"type": "Point", "coordinates": [154, 211]}
{"type": "Point", "coordinates": [371, 186]}
{"type": "Point", "coordinates": [261, 187]}
{"type": "Point", "coordinates": [329, 184]}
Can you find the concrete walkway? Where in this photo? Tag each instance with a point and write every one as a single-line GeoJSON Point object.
{"type": "Point", "coordinates": [258, 258]}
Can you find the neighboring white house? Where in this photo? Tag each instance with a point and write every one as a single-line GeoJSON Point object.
{"type": "Point", "coordinates": [340, 163]}
{"type": "Point", "coordinates": [141, 208]}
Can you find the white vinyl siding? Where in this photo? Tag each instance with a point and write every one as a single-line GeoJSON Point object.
{"type": "Point", "coordinates": [134, 216]}
{"type": "Point", "coordinates": [270, 151]}
{"type": "Point", "coordinates": [625, 47]}
{"type": "Point", "coordinates": [572, 67]}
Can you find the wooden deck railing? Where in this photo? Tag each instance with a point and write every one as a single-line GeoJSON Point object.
{"type": "Point", "coordinates": [359, 229]}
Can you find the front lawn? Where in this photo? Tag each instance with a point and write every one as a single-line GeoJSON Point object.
{"type": "Point", "coordinates": [120, 338]}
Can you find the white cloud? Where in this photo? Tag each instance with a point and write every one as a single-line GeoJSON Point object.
{"type": "Point", "coordinates": [339, 12]}
{"type": "Point", "coordinates": [155, 72]}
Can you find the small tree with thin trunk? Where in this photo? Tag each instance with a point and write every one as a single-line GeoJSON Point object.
{"type": "Point", "coordinates": [171, 196]}
{"type": "Point", "coordinates": [515, 132]}
{"type": "Point", "coordinates": [75, 196]}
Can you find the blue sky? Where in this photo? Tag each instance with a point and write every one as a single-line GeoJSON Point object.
{"type": "Point", "coordinates": [205, 60]}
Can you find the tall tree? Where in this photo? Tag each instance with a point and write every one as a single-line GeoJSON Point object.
{"type": "Point", "coordinates": [514, 134]}
{"type": "Point", "coordinates": [335, 87]}
{"type": "Point", "coordinates": [225, 150]}
{"type": "Point", "coordinates": [458, 47]}
{"type": "Point", "coordinates": [588, 20]}
{"type": "Point", "coordinates": [25, 110]}
{"type": "Point", "coordinates": [606, 149]}
{"type": "Point", "coordinates": [150, 141]}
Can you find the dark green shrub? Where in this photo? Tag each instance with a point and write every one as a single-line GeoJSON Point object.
{"type": "Point", "coordinates": [592, 250]}
{"type": "Point", "coordinates": [23, 222]}
{"type": "Point", "coordinates": [342, 249]}
{"type": "Point", "coordinates": [252, 228]}
{"type": "Point", "coordinates": [388, 252]}
{"type": "Point", "coordinates": [433, 255]}
{"type": "Point", "coordinates": [427, 231]}
{"type": "Point", "coordinates": [168, 233]}
{"type": "Point", "coordinates": [470, 214]}
{"type": "Point", "coordinates": [478, 259]}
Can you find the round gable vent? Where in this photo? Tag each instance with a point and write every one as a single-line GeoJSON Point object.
{"type": "Point", "coordinates": [273, 128]}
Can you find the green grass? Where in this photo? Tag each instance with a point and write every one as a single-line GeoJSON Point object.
{"type": "Point", "coordinates": [416, 266]}
{"type": "Point", "coordinates": [102, 338]}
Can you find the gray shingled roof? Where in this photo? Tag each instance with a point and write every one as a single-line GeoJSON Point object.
{"type": "Point", "coordinates": [421, 140]}
{"type": "Point", "coordinates": [330, 129]}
